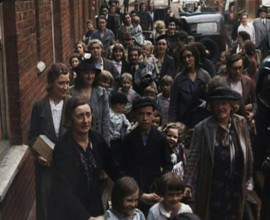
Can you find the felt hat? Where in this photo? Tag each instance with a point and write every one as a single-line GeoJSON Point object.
{"type": "Point", "coordinates": [223, 93]}
{"type": "Point", "coordinates": [88, 64]}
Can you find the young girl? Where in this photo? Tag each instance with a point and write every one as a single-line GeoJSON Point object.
{"type": "Point", "coordinates": [171, 188]}
{"type": "Point", "coordinates": [74, 61]}
{"type": "Point", "coordinates": [136, 31]}
{"type": "Point", "coordinates": [105, 80]}
{"type": "Point", "coordinates": [126, 88]}
{"type": "Point", "coordinates": [125, 195]}
{"type": "Point", "coordinates": [174, 132]}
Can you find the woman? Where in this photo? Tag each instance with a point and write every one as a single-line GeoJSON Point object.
{"type": "Point", "coordinates": [81, 49]}
{"type": "Point", "coordinates": [47, 119]}
{"type": "Point", "coordinates": [166, 65]}
{"type": "Point", "coordinates": [246, 26]}
{"type": "Point", "coordinates": [86, 84]}
{"type": "Point", "coordinates": [220, 160]}
{"type": "Point", "coordinates": [188, 90]}
{"type": "Point", "coordinates": [78, 160]}
{"type": "Point", "coordinates": [118, 59]}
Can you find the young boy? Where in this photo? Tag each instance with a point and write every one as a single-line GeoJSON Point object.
{"type": "Point", "coordinates": [119, 125]}
{"type": "Point", "coordinates": [163, 98]}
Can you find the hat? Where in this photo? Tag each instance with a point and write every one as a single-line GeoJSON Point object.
{"type": "Point", "coordinates": [262, 9]}
{"type": "Point", "coordinates": [87, 64]}
{"type": "Point", "coordinates": [231, 4]}
{"type": "Point", "coordinates": [143, 102]}
{"type": "Point", "coordinates": [223, 93]}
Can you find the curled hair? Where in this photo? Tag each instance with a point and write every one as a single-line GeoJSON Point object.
{"type": "Point", "coordinates": [181, 128]}
{"type": "Point", "coordinates": [83, 45]}
{"type": "Point", "coordinates": [134, 48]}
{"type": "Point", "coordinates": [244, 35]}
{"type": "Point", "coordinates": [105, 76]}
{"type": "Point", "coordinates": [169, 181]}
{"type": "Point", "coordinates": [232, 59]}
{"type": "Point", "coordinates": [193, 49]}
{"type": "Point", "coordinates": [74, 55]}
{"type": "Point", "coordinates": [120, 47]}
{"type": "Point", "coordinates": [55, 71]}
{"type": "Point", "coordinates": [250, 48]}
{"type": "Point", "coordinates": [122, 188]}
{"type": "Point", "coordinates": [71, 105]}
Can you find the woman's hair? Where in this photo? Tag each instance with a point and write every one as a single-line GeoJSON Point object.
{"type": "Point", "coordinates": [140, 6]}
{"type": "Point", "coordinates": [122, 188]}
{"type": "Point", "coordinates": [105, 76]}
{"type": "Point", "coordinates": [202, 50]}
{"type": "Point", "coordinates": [166, 80]}
{"type": "Point", "coordinates": [79, 81]}
{"type": "Point", "coordinates": [118, 98]}
{"type": "Point", "coordinates": [244, 35]}
{"type": "Point", "coordinates": [83, 45]}
{"type": "Point", "coordinates": [74, 55]}
{"type": "Point", "coordinates": [120, 47]}
{"type": "Point", "coordinates": [55, 71]}
{"type": "Point", "coordinates": [126, 76]}
{"type": "Point", "coordinates": [71, 105]}
{"type": "Point", "coordinates": [169, 181]}
{"type": "Point", "coordinates": [250, 48]}
{"type": "Point", "coordinates": [193, 49]}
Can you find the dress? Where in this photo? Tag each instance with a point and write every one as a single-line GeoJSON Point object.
{"type": "Point", "coordinates": [100, 110]}
{"type": "Point", "coordinates": [137, 216]}
{"type": "Point", "coordinates": [158, 212]}
{"type": "Point", "coordinates": [76, 186]}
{"type": "Point", "coordinates": [205, 158]}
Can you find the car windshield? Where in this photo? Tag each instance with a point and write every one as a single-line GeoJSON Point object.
{"type": "Point", "coordinates": [204, 28]}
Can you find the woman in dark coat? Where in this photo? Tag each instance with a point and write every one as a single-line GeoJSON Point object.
{"type": "Point", "coordinates": [220, 160]}
{"type": "Point", "coordinates": [188, 90]}
{"type": "Point", "coordinates": [78, 160]}
{"type": "Point", "coordinates": [47, 119]}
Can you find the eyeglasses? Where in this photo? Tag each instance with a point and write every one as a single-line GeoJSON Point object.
{"type": "Point", "coordinates": [237, 68]}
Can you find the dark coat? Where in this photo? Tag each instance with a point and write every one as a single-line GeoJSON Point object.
{"type": "Point", "coordinates": [168, 67]}
{"type": "Point", "coordinates": [144, 163]}
{"type": "Point", "coordinates": [70, 196]}
{"type": "Point", "coordinates": [42, 121]}
{"type": "Point", "coordinates": [200, 165]}
{"type": "Point", "coordinates": [108, 65]}
{"type": "Point", "coordinates": [125, 67]}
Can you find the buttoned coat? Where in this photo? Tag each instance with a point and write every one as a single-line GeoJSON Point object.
{"type": "Point", "coordinates": [200, 162]}
{"type": "Point", "coordinates": [262, 32]}
{"type": "Point", "coordinates": [144, 163]}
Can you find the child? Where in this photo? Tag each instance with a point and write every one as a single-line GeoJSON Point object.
{"type": "Point", "coordinates": [221, 65]}
{"type": "Point", "coordinates": [74, 61]}
{"type": "Point", "coordinates": [125, 195]}
{"type": "Point", "coordinates": [163, 98]}
{"type": "Point", "coordinates": [171, 188]}
{"type": "Point", "coordinates": [119, 125]}
{"type": "Point", "coordinates": [136, 31]}
{"type": "Point", "coordinates": [174, 132]}
{"type": "Point", "coordinates": [150, 91]}
{"type": "Point", "coordinates": [105, 80]}
{"type": "Point", "coordinates": [126, 88]}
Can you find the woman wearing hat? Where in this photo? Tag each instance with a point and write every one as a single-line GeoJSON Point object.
{"type": "Point", "coordinates": [220, 161]}
{"type": "Point", "coordinates": [86, 84]}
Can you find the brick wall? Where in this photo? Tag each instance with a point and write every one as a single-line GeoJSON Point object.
{"type": "Point", "coordinates": [28, 35]}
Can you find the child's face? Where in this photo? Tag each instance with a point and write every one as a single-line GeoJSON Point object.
{"type": "Point", "coordinates": [126, 84]}
{"type": "Point", "coordinates": [135, 23]}
{"type": "Point", "coordinates": [118, 54]}
{"type": "Point", "coordinates": [130, 203]}
{"type": "Point", "coordinates": [165, 89]}
{"type": "Point", "coordinates": [150, 93]}
{"type": "Point", "coordinates": [147, 51]}
{"type": "Point", "coordinates": [223, 58]}
{"type": "Point", "coordinates": [172, 199]}
{"type": "Point", "coordinates": [172, 137]}
{"type": "Point", "coordinates": [118, 108]}
{"type": "Point", "coordinates": [75, 62]}
{"type": "Point", "coordinates": [90, 26]}
{"type": "Point", "coordinates": [156, 121]}
{"type": "Point", "coordinates": [105, 84]}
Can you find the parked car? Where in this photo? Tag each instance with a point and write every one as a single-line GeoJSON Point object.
{"type": "Point", "coordinates": [207, 29]}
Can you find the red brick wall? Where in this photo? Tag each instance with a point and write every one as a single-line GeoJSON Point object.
{"type": "Point", "coordinates": [29, 38]}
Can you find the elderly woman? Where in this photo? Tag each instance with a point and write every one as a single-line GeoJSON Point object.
{"type": "Point", "coordinates": [86, 84]}
{"type": "Point", "coordinates": [47, 119]}
{"type": "Point", "coordinates": [78, 160]}
{"type": "Point", "coordinates": [188, 90]}
{"type": "Point", "coordinates": [220, 160]}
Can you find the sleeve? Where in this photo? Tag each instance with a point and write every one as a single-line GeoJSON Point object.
{"type": "Point", "coordinates": [174, 102]}
{"type": "Point", "coordinates": [167, 163]}
{"type": "Point", "coordinates": [34, 130]}
{"type": "Point", "coordinates": [190, 177]}
{"type": "Point", "coordinates": [105, 119]}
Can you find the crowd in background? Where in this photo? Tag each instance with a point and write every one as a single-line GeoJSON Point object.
{"type": "Point", "coordinates": [147, 126]}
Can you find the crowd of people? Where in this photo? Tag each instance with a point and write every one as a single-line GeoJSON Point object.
{"type": "Point", "coordinates": [146, 126]}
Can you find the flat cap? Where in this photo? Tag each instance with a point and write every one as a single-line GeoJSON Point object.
{"type": "Point", "coordinates": [143, 102]}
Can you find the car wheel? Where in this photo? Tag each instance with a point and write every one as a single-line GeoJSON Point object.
{"type": "Point", "coordinates": [212, 47]}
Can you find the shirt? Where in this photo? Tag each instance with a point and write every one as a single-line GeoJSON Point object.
{"type": "Point", "coordinates": [56, 115]}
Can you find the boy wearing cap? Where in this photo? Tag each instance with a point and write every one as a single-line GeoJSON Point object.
{"type": "Point", "coordinates": [145, 154]}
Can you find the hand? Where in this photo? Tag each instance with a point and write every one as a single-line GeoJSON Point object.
{"type": "Point", "coordinates": [248, 107]}
{"type": "Point", "coordinates": [250, 115]}
{"type": "Point", "coordinates": [150, 198]}
{"type": "Point", "coordinates": [43, 162]}
{"type": "Point", "coordinates": [188, 192]}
